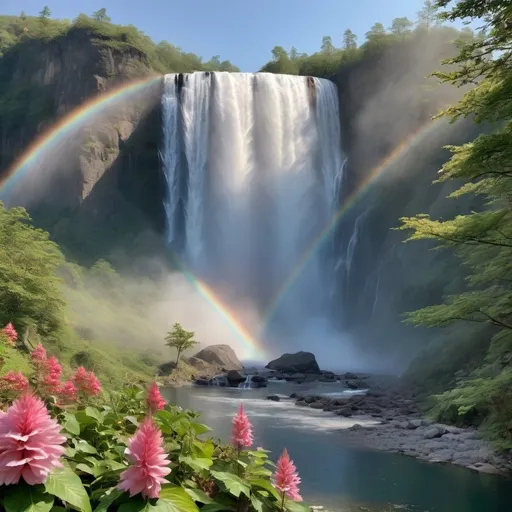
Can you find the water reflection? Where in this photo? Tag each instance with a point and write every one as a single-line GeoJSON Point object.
{"type": "Point", "coordinates": [339, 476]}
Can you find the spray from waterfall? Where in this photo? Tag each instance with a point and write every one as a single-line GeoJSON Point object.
{"type": "Point", "coordinates": [253, 169]}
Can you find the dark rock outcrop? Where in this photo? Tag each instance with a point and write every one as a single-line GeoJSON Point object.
{"type": "Point", "coordinates": [300, 362]}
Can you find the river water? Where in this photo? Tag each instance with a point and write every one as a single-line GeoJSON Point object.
{"type": "Point", "coordinates": [334, 474]}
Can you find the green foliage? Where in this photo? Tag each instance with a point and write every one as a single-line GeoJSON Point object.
{"type": "Point", "coordinates": [205, 475]}
{"type": "Point", "coordinates": [162, 57]}
{"type": "Point", "coordinates": [29, 288]}
{"type": "Point", "coordinates": [483, 239]}
{"type": "Point", "coordinates": [180, 339]}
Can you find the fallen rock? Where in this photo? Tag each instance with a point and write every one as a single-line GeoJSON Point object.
{"type": "Point", "coordinates": [220, 355]}
{"type": "Point", "coordinates": [235, 377]}
{"type": "Point", "coordinates": [304, 362]}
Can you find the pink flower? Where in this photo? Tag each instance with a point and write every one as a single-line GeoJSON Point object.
{"type": "Point", "coordinates": [30, 442]}
{"type": "Point", "coordinates": [68, 392]}
{"type": "Point", "coordinates": [86, 382]}
{"type": "Point", "coordinates": [51, 373]}
{"type": "Point", "coordinates": [38, 355]}
{"type": "Point", "coordinates": [10, 332]}
{"type": "Point", "coordinates": [241, 434]}
{"type": "Point", "coordinates": [155, 400]}
{"type": "Point", "coordinates": [14, 382]}
{"type": "Point", "coordinates": [286, 477]}
{"type": "Point", "coordinates": [149, 462]}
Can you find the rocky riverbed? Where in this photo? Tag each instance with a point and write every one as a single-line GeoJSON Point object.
{"type": "Point", "coordinates": [402, 429]}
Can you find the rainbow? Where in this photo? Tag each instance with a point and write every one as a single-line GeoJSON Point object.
{"type": "Point", "coordinates": [254, 350]}
{"type": "Point", "coordinates": [63, 126]}
{"type": "Point", "coordinates": [363, 188]}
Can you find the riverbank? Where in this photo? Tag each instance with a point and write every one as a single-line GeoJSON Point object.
{"type": "Point", "coordinates": [401, 428]}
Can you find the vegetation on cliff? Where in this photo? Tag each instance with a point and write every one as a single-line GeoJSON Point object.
{"type": "Point", "coordinates": [331, 58]}
{"type": "Point", "coordinates": [483, 239]}
{"type": "Point", "coordinates": [162, 57]}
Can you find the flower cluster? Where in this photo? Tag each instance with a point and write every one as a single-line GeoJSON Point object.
{"type": "Point", "coordinates": [286, 477]}
{"type": "Point", "coordinates": [30, 442]}
{"type": "Point", "coordinates": [155, 401]}
{"type": "Point", "coordinates": [14, 382]}
{"type": "Point", "coordinates": [86, 382]}
{"type": "Point", "coordinates": [10, 333]}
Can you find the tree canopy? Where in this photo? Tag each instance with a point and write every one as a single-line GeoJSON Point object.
{"type": "Point", "coordinates": [30, 291]}
{"type": "Point", "coordinates": [180, 339]}
{"type": "Point", "coordinates": [482, 239]}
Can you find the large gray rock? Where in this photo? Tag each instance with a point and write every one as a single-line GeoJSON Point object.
{"type": "Point", "coordinates": [300, 362]}
{"type": "Point", "coordinates": [222, 356]}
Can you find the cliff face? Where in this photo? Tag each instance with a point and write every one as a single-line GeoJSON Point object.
{"type": "Point", "coordinates": [384, 101]}
{"type": "Point", "coordinates": [111, 165]}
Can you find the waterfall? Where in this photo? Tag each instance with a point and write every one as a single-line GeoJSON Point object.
{"type": "Point", "coordinates": [253, 169]}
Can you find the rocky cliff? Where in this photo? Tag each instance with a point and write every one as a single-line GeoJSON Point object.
{"type": "Point", "coordinates": [111, 180]}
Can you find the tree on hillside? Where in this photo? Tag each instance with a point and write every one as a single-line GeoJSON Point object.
{"type": "Point", "coordinates": [101, 15]}
{"type": "Point", "coordinates": [30, 292]}
{"type": "Point", "coordinates": [401, 26]}
{"type": "Point", "coordinates": [327, 46]}
{"type": "Point", "coordinates": [376, 32]}
{"type": "Point", "coordinates": [428, 16]}
{"type": "Point", "coordinates": [349, 40]}
{"type": "Point", "coordinates": [23, 16]}
{"type": "Point", "coordinates": [45, 14]}
{"type": "Point", "coordinates": [180, 339]}
{"type": "Point", "coordinates": [483, 239]}
{"type": "Point", "coordinates": [278, 52]}
{"type": "Point", "coordinates": [294, 54]}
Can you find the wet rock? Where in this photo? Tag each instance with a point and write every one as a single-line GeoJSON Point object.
{"type": "Point", "coordinates": [345, 412]}
{"type": "Point", "coordinates": [310, 399]}
{"type": "Point", "coordinates": [295, 363]}
{"type": "Point", "coordinates": [317, 405]}
{"type": "Point", "coordinates": [352, 384]}
{"type": "Point", "coordinates": [274, 398]}
{"type": "Point", "coordinates": [235, 377]}
{"type": "Point", "coordinates": [221, 355]}
{"type": "Point", "coordinates": [433, 432]}
{"type": "Point", "coordinates": [485, 468]}
{"type": "Point", "coordinates": [301, 403]}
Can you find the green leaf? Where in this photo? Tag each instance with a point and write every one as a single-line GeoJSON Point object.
{"type": "Point", "coordinates": [176, 499]}
{"type": "Point", "coordinates": [256, 503]}
{"type": "Point", "coordinates": [71, 424]}
{"type": "Point", "coordinates": [234, 484]}
{"type": "Point", "coordinates": [26, 498]}
{"type": "Point", "coordinates": [295, 506]}
{"type": "Point", "coordinates": [84, 446]}
{"type": "Point", "coordinates": [84, 468]}
{"type": "Point", "coordinates": [196, 463]}
{"type": "Point", "coordinates": [68, 487]}
{"type": "Point", "coordinates": [108, 499]}
{"type": "Point", "coordinates": [198, 495]}
{"type": "Point", "coordinates": [92, 412]}
{"type": "Point", "coordinates": [199, 428]}
{"type": "Point", "coordinates": [133, 420]}
{"type": "Point", "coordinates": [266, 485]}
{"type": "Point", "coordinates": [217, 507]}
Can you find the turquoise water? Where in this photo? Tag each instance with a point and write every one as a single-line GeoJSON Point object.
{"type": "Point", "coordinates": [336, 475]}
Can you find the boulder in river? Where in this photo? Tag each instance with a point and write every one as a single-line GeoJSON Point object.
{"type": "Point", "coordinates": [300, 362]}
{"type": "Point", "coordinates": [235, 377]}
{"type": "Point", "coordinates": [222, 356]}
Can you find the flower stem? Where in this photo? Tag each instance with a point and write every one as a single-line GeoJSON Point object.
{"type": "Point", "coordinates": [282, 502]}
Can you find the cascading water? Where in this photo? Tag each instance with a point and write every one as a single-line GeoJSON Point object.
{"type": "Point", "coordinates": [252, 164]}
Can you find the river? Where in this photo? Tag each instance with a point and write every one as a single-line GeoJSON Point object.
{"type": "Point", "coordinates": [334, 474]}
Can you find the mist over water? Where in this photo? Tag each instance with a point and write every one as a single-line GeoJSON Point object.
{"type": "Point", "coordinates": [253, 166]}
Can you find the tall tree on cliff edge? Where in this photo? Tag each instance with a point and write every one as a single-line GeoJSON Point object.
{"type": "Point", "coordinates": [483, 240]}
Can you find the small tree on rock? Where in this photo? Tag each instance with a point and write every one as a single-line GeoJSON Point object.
{"type": "Point", "coordinates": [180, 339]}
{"type": "Point", "coordinates": [101, 15]}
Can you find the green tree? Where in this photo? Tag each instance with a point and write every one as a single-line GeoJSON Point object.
{"type": "Point", "coordinates": [278, 52]}
{"type": "Point", "coordinates": [428, 16]}
{"type": "Point", "coordinates": [23, 16]}
{"type": "Point", "coordinates": [483, 239]}
{"type": "Point", "coordinates": [180, 339]}
{"type": "Point", "coordinates": [401, 26]}
{"type": "Point", "coordinates": [349, 40]}
{"type": "Point", "coordinates": [294, 54]}
{"type": "Point", "coordinates": [101, 15]}
{"type": "Point", "coordinates": [327, 46]}
{"type": "Point", "coordinates": [45, 14]}
{"type": "Point", "coordinates": [376, 32]}
{"type": "Point", "coordinates": [30, 291]}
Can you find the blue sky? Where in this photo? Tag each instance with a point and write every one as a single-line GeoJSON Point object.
{"type": "Point", "coordinates": [242, 31]}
